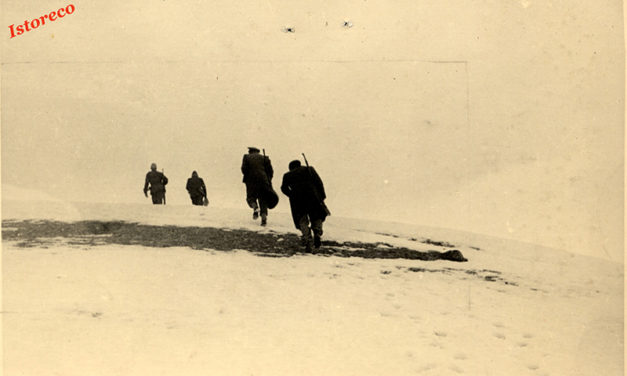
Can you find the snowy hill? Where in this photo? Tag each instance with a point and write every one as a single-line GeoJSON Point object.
{"type": "Point", "coordinates": [105, 289]}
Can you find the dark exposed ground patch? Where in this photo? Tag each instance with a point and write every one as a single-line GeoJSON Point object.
{"type": "Point", "coordinates": [438, 243]}
{"type": "Point", "coordinates": [484, 274]}
{"type": "Point", "coordinates": [270, 244]}
{"type": "Point", "coordinates": [387, 234]}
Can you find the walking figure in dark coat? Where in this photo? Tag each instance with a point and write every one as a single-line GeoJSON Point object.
{"type": "Point", "coordinates": [155, 181]}
{"type": "Point", "coordinates": [258, 172]}
{"type": "Point", "coordinates": [196, 189]}
{"type": "Point", "coordinates": [306, 192]}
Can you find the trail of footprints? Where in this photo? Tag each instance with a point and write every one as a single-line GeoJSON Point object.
{"type": "Point", "coordinates": [439, 340]}
{"type": "Point", "coordinates": [459, 357]}
{"type": "Point", "coordinates": [522, 341]}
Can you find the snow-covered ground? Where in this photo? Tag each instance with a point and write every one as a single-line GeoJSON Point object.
{"type": "Point", "coordinates": [512, 309]}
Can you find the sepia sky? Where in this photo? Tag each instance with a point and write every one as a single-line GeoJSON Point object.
{"type": "Point", "coordinates": [497, 117]}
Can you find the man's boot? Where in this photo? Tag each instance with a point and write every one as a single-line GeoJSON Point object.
{"type": "Point", "coordinates": [317, 241]}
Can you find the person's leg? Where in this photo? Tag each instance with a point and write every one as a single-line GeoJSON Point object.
{"type": "Point", "coordinates": [316, 226]}
{"type": "Point", "coordinates": [263, 211]}
{"type": "Point", "coordinates": [251, 200]}
{"type": "Point", "coordinates": [157, 198]}
{"type": "Point", "coordinates": [303, 225]}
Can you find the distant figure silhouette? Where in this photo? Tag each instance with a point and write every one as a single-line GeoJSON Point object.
{"type": "Point", "coordinates": [196, 189]}
{"type": "Point", "coordinates": [155, 181]}
{"type": "Point", "coordinates": [257, 170]}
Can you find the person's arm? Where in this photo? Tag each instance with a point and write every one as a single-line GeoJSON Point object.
{"type": "Point", "coordinates": [285, 187]}
{"type": "Point", "coordinates": [187, 186]}
{"type": "Point", "coordinates": [146, 186]}
{"type": "Point", "coordinates": [244, 168]}
{"type": "Point", "coordinates": [164, 180]}
{"type": "Point", "coordinates": [268, 167]}
{"type": "Point", "coordinates": [203, 188]}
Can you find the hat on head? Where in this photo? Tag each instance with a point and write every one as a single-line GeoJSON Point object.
{"type": "Point", "coordinates": [294, 164]}
{"type": "Point", "coordinates": [252, 148]}
{"type": "Point", "coordinates": [153, 166]}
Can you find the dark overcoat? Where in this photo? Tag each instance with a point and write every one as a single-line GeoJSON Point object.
{"type": "Point", "coordinates": [156, 181]}
{"type": "Point", "coordinates": [306, 192]}
{"type": "Point", "coordinates": [196, 187]}
{"type": "Point", "coordinates": [258, 172]}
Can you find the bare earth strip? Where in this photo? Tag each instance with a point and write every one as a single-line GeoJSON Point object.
{"type": "Point", "coordinates": [37, 233]}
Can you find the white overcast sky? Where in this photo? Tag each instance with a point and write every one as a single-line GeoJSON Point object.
{"type": "Point", "coordinates": [498, 117]}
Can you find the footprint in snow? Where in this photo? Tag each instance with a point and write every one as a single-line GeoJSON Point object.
{"type": "Point", "coordinates": [427, 367]}
{"type": "Point", "coordinates": [436, 344]}
{"type": "Point", "coordinates": [460, 356]}
{"type": "Point", "coordinates": [456, 369]}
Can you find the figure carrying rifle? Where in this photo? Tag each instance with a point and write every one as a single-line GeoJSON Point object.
{"type": "Point", "coordinates": [155, 181]}
{"type": "Point", "coordinates": [305, 190]}
{"type": "Point", "coordinates": [258, 172]}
